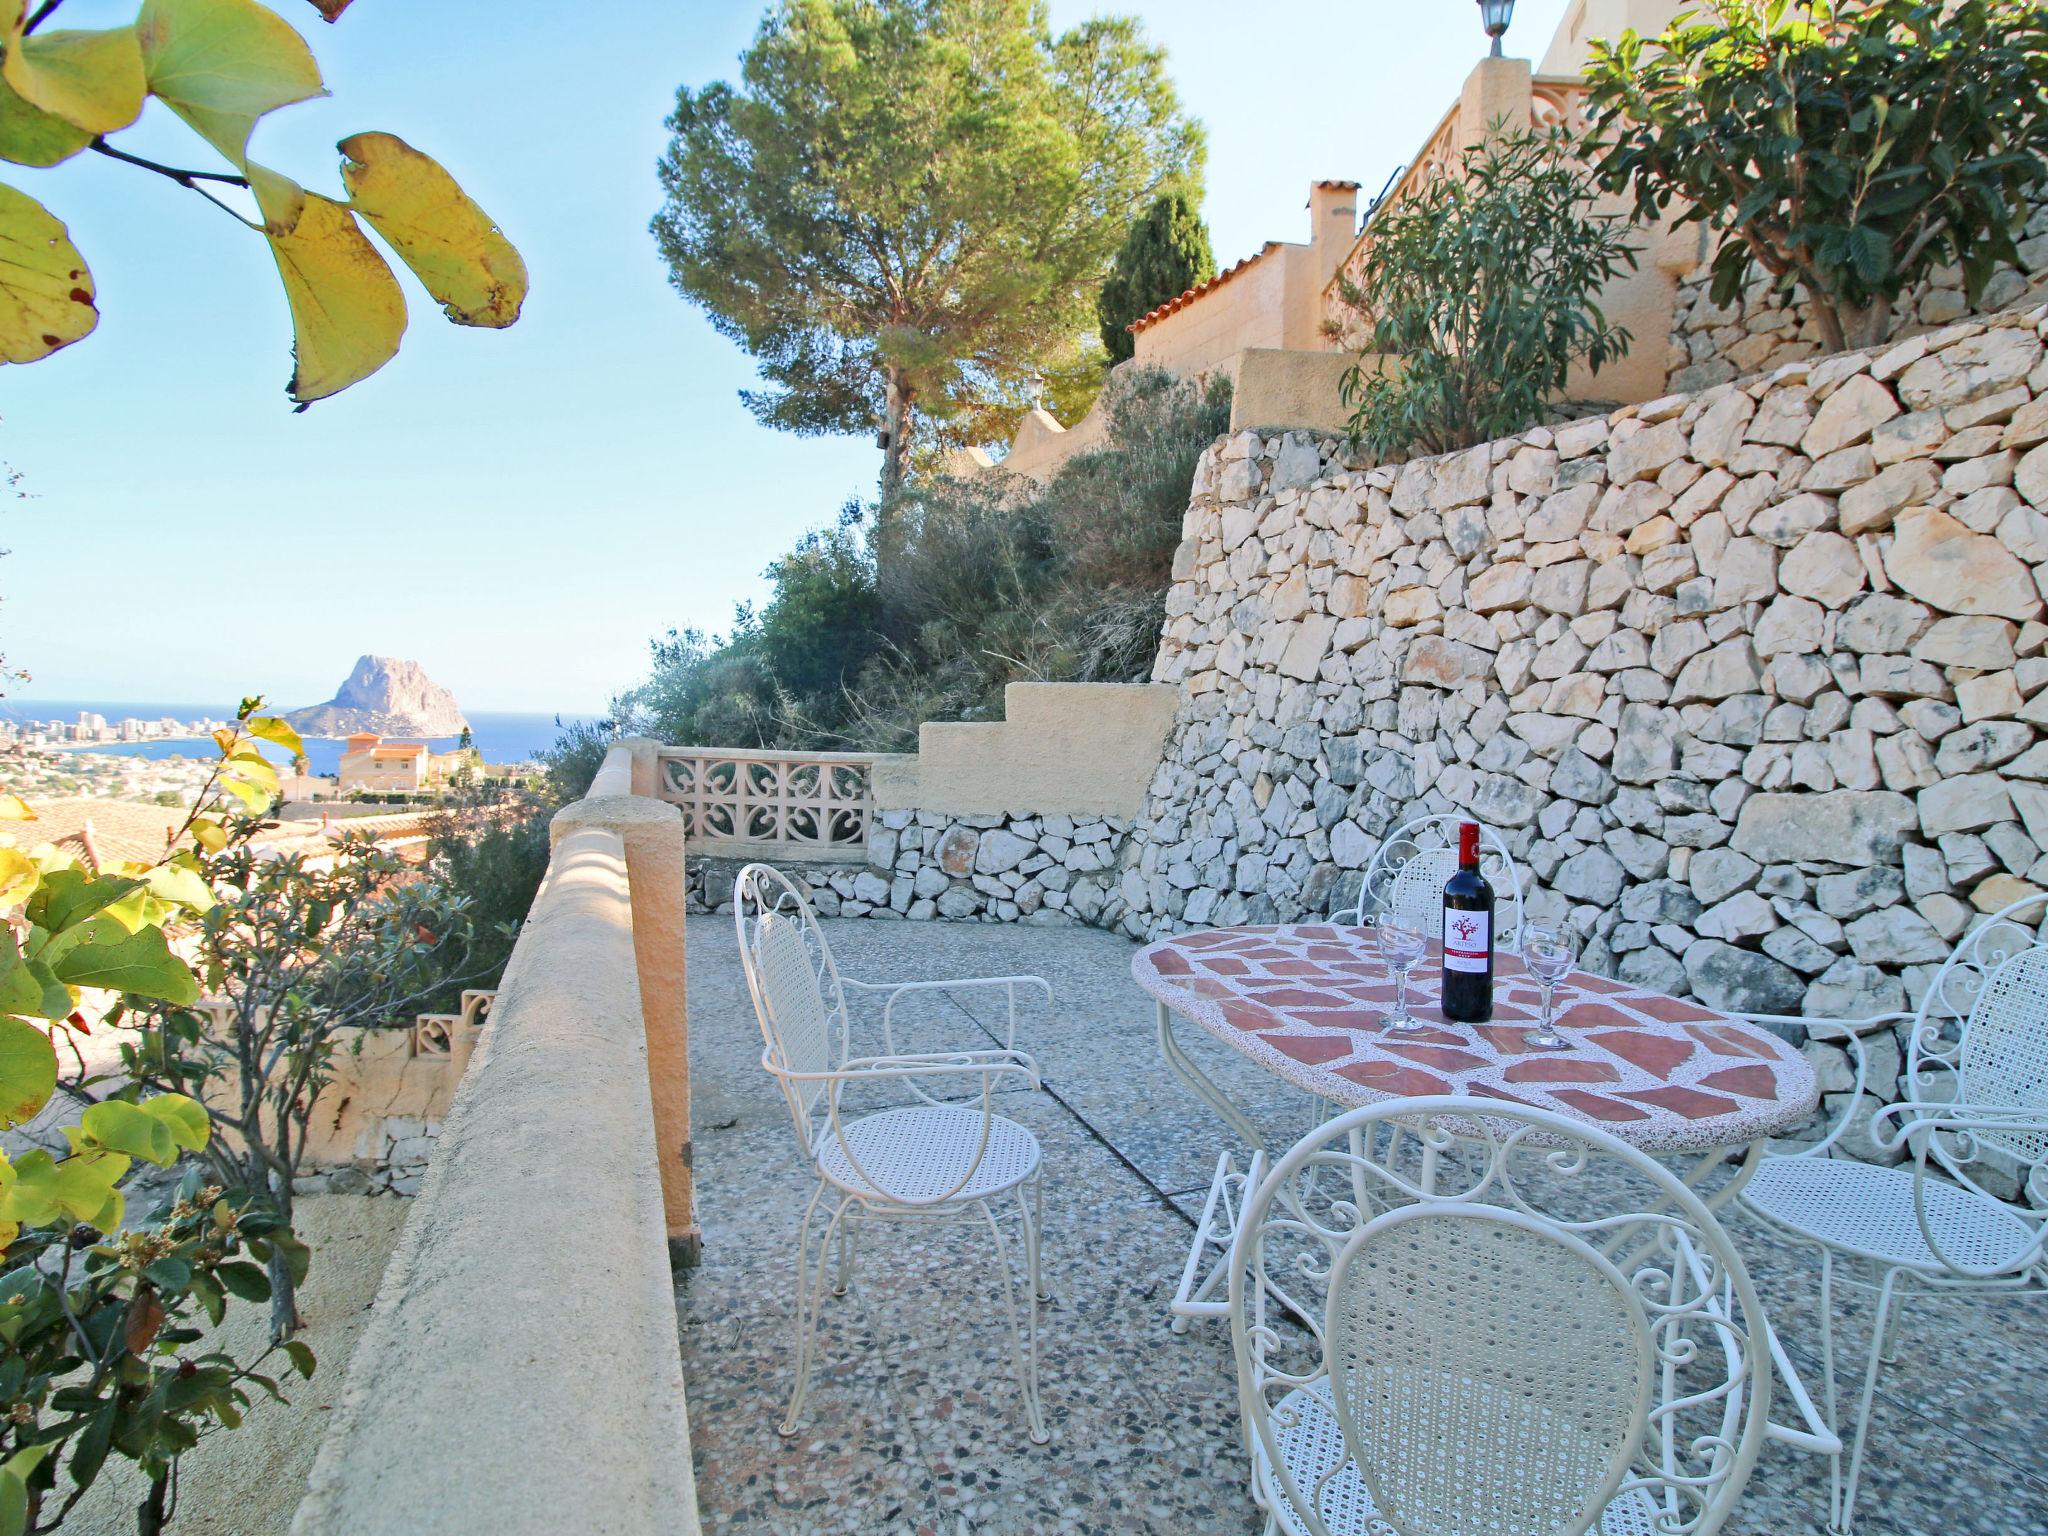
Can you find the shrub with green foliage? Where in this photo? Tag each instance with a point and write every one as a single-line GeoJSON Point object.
{"type": "Point", "coordinates": [1845, 147]}
{"type": "Point", "coordinates": [1482, 283]}
{"type": "Point", "coordinates": [981, 583]}
{"type": "Point", "coordinates": [1166, 254]}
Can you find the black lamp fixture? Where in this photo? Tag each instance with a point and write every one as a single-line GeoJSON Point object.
{"type": "Point", "coordinates": [1495, 15]}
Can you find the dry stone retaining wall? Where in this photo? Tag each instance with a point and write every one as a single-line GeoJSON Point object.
{"type": "Point", "coordinates": [1714, 343]}
{"type": "Point", "coordinates": [1753, 680]}
{"type": "Point", "coordinates": [928, 864]}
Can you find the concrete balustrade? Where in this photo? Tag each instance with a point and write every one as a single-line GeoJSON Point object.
{"type": "Point", "coordinates": [521, 1372]}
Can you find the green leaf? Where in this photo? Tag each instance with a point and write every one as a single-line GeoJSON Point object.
{"type": "Point", "coordinates": [28, 987]}
{"type": "Point", "coordinates": [450, 243]}
{"type": "Point", "coordinates": [222, 64]}
{"type": "Point", "coordinates": [298, 1258]}
{"type": "Point", "coordinates": [347, 312]}
{"type": "Point", "coordinates": [300, 1354]}
{"type": "Point", "coordinates": [186, 1119]}
{"type": "Point", "coordinates": [245, 1280]}
{"type": "Point", "coordinates": [139, 962]}
{"type": "Point", "coordinates": [28, 1071]}
{"type": "Point", "coordinates": [31, 136]}
{"type": "Point", "coordinates": [46, 293]}
{"type": "Point", "coordinates": [170, 1273]}
{"type": "Point", "coordinates": [13, 1502]}
{"type": "Point", "coordinates": [89, 1450]}
{"type": "Point", "coordinates": [115, 1125]}
{"type": "Point", "coordinates": [207, 1289]}
{"type": "Point", "coordinates": [92, 80]}
{"type": "Point", "coordinates": [69, 896]}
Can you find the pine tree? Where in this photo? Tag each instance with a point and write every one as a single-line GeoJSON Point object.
{"type": "Point", "coordinates": [1166, 254]}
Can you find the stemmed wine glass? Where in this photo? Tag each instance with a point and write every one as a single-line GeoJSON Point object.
{"type": "Point", "coordinates": [1401, 945]}
{"type": "Point", "coordinates": [1549, 954]}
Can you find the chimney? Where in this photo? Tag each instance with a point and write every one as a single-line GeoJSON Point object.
{"type": "Point", "coordinates": [1332, 225]}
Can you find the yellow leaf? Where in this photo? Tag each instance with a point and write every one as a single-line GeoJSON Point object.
{"type": "Point", "coordinates": [45, 289]}
{"type": "Point", "coordinates": [18, 876]}
{"type": "Point", "coordinates": [271, 729]}
{"type": "Point", "coordinates": [14, 808]}
{"type": "Point", "coordinates": [450, 243]}
{"type": "Point", "coordinates": [221, 64]}
{"type": "Point", "coordinates": [209, 834]}
{"type": "Point", "coordinates": [247, 793]}
{"type": "Point", "coordinates": [28, 1071]}
{"type": "Point", "coordinates": [347, 312]}
{"type": "Point", "coordinates": [93, 80]}
{"type": "Point", "coordinates": [31, 136]}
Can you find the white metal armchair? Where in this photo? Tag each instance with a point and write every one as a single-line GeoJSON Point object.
{"type": "Point", "coordinates": [1976, 1098]}
{"type": "Point", "coordinates": [1507, 1321]}
{"type": "Point", "coordinates": [933, 1159]}
{"type": "Point", "coordinates": [1406, 876]}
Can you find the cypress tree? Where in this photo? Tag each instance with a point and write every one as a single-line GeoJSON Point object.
{"type": "Point", "coordinates": [1166, 253]}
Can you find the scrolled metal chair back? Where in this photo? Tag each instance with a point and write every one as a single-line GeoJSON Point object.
{"type": "Point", "coordinates": [1406, 875]}
{"type": "Point", "coordinates": [1982, 1038]}
{"type": "Point", "coordinates": [795, 987]}
{"type": "Point", "coordinates": [1504, 1332]}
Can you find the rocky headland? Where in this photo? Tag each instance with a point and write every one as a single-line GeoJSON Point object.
{"type": "Point", "coordinates": [387, 696]}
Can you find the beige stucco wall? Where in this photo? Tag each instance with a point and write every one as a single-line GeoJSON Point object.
{"type": "Point", "coordinates": [1274, 388]}
{"type": "Point", "coordinates": [1062, 748]}
{"type": "Point", "coordinates": [1042, 445]}
{"type": "Point", "coordinates": [1572, 44]}
{"type": "Point", "coordinates": [1247, 310]}
{"type": "Point", "coordinates": [521, 1373]}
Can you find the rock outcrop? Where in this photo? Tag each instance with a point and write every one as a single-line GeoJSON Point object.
{"type": "Point", "coordinates": [385, 695]}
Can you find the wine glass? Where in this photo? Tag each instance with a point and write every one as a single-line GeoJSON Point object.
{"type": "Point", "coordinates": [1401, 945]}
{"type": "Point", "coordinates": [1549, 954]}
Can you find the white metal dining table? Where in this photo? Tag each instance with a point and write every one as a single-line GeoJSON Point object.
{"type": "Point", "coordinates": [1308, 1003]}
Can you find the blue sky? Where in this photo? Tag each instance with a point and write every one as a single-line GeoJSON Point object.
{"type": "Point", "coordinates": [519, 511]}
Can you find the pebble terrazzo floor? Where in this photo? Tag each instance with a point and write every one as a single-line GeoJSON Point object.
{"type": "Point", "coordinates": [913, 1427]}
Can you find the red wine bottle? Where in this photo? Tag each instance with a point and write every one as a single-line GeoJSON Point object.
{"type": "Point", "coordinates": [1468, 935]}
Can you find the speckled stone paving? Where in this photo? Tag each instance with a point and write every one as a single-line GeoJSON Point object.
{"type": "Point", "coordinates": [913, 1425]}
{"type": "Point", "coordinates": [1309, 1001]}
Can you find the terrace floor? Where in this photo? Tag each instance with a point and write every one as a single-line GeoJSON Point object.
{"type": "Point", "coordinates": [913, 1424]}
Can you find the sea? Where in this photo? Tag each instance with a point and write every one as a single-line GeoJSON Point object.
{"type": "Point", "coordinates": [502, 737]}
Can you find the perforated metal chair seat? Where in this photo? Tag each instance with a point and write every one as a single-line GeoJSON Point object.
{"type": "Point", "coordinates": [1868, 1210]}
{"type": "Point", "coordinates": [919, 1153]}
{"type": "Point", "coordinates": [1313, 1445]}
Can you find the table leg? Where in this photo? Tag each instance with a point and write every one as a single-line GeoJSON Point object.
{"type": "Point", "coordinates": [1199, 1083]}
{"type": "Point", "coordinates": [1206, 1271]}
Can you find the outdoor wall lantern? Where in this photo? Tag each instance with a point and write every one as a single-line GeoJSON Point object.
{"type": "Point", "coordinates": [1495, 15]}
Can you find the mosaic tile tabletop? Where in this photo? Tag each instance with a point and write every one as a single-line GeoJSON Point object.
{"type": "Point", "coordinates": [1307, 1002]}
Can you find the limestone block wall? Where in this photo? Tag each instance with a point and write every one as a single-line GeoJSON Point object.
{"type": "Point", "coordinates": [1714, 343]}
{"type": "Point", "coordinates": [1049, 868]}
{"type": "Point", "coordinates": [1753, 680]}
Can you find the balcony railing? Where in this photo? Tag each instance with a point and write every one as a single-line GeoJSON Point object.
{"type": "Point", "coordinates": [799, 805]}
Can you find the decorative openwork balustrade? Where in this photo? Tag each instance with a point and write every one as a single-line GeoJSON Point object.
{"type": "Point", "coordinates": [1555, 101]}
{"type": "Point", "coordinates": [435, 1034]}
{"type": "Point", "coordinates": [790, 804]}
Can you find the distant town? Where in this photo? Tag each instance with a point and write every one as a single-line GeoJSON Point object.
{"type": "Point", "coordinates": [90, 728]}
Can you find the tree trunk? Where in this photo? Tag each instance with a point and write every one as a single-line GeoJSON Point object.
{"type": "Point", "coordinates": [153, 1512]}
{"type": "Point", "coordinates": [895, 435]}
{"type": "Point", "coordinates": [284, 1291]}
{"type": "Point", "coordinates": [1868, 326]}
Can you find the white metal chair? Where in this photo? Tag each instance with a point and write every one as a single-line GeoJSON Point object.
{"type": "Point", "coordinates": [1505, 1322]}
{"type": "Point", "coordinates": [930, 1160]}
{"type": "Point", "coordinates": [1406, 876]}
{"type": "Point", "coordinates": [1976, 1096]}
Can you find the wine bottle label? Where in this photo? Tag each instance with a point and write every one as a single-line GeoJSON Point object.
{"type": "Point", "coordinates": [1468, 940]}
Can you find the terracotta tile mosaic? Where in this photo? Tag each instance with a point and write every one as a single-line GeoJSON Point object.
{"type": "Point", "coordinates": [1641, 1060]}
